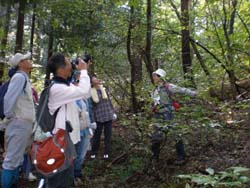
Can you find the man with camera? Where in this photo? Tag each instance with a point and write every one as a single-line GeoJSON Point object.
{"type": "Point", "coordinates": [63, 95]}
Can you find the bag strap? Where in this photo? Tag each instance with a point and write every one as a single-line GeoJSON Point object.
{"type": "Point", "coordinates": [25, 83]}
{"type": "Point", "coordinates": [170, 94]}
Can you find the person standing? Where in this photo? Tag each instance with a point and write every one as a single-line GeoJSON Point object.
{"type": "Point", "coordinates": [63, 95]}
{"type": "Point", "coordinates": [164, 111]}
{"type": "Point", "coordinates": [103, 112]}
{"type": "Point", "coordinates": [19, 114]}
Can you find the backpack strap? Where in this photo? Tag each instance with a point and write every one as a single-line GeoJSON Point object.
{"type": "Point", "coordinates": [24, 86]}
{"type": "Point", "coordinates": [25, 83]}
{"type": "Point", "coordinates": [172, 97]}
{"type": "Point", "coordinates": [170, 94]}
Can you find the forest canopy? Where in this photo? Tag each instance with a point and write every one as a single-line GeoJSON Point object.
{"type": "Point", "coordinates": [200, 44]}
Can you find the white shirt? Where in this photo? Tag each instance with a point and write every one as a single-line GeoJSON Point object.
{"type": "Point", "coordinates": [62, 95]}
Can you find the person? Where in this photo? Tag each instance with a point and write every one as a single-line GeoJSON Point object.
{"type": "Point", "coordinates": [82, 146]}
{"type": "Point", "coordinates": [164, 111]}
{"type": "Point", "coordinates": [19, 114]}
{"type": "Point", "coordinates": [104, 114]}
{"type": "Point", "coordinates": [63, 95]}
{"type": "Point", "coordinates": [80, 126]}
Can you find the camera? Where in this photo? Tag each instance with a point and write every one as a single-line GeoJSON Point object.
{"type": "Point", "coordinates": [74, 64]}
{"type": "Point", "coordinates": [75, 73]}
{"type": "Point", "coordinates": [86, 58]}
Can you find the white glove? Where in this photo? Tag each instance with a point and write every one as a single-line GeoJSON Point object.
{"type": "Point", "coordinates": [93, 125]}
{"type": "Point", "coordinates": [114, 116]}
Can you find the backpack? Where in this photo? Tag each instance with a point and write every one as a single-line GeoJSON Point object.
{"type": "Point", "coordinates": [44, 119]}
{"type": "Point", "coordinates": [176, 105]}
{"type": "Point", "coordinates": [3, 91]}
{"type": "Point", "coordinates": [55, 153]}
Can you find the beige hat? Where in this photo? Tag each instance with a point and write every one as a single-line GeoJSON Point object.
{"type": "Point", "coordinates": [14, 60]}
{"type": "Point", "coordinates": [160, 72]}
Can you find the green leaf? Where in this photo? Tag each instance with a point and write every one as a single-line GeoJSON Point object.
{"type": "Point", "coordinates": [244, 179]}
{"type": "Point", "coordinates": [204, 180]}
{"type": "Point", "coordinates": [239, 169]}
{"type": "Point", "coordinates": [210, 171]}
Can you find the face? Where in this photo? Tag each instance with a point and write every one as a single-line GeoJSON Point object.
{"type": "Point", "coordinates": [25, 65]}
{"type": "Point", "coordinates": [67, 68]}
{"type": "Point", "coordinates": [156, 78]}
{"type": "Point", "coordinates": [65, 72]}
{"type": "Point", "coordinates": [95, 81]}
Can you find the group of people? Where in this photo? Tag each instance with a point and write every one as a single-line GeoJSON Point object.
{"type": "Point", "coordinates": [84, 102]}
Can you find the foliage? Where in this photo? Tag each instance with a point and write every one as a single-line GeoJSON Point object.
{"type": "Point", "coordinates": [231, 177]}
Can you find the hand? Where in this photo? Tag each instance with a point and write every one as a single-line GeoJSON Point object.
{"type": "Point", "coordinates": [114, 116]}
{"type": "Point", "coordinates": [82, 65]}
{"type": "Point", "coordinates": [93, 125]}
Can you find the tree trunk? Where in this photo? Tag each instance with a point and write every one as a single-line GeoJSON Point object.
{"type": "Point", "coordinates": [230, 53]}
{"type": "Point", "coordinates": [32, 29]}
{"type": "Point", "coordinates": [136, 77]}
{"type": "Point", "coordinates": [135, 61]}
{"type": "Point", "coordinates": [20, 26]}
{"type": "Point", "coordinates": [4, 41]}
{"type": "Point", "coordinates": [148, 62]}
{"type": "Point", "coordinates": [203, 65]}
{"type": "Point", "coordinates": [50, 52]}
{"type": "Point", "coordinates": [186, 55]}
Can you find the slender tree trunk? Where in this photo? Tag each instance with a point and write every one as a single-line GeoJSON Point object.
{"type": "Point", "coordinates": [130, 26]}
{"type": "Point", "coordinates": [4, 41]}
{"type": "Point", "coordinates": [230, 54]}
{"type": "Point", "coordinates": [20, 26]}
{"type": "Point", "coordinates": [135, 61]}
{"type": "Point", "coordinates": [186, 54]}
{"type": "Point", "coordinates": [136, 72]}
{"type": "Point", "coordinates": [32, 29]}
{"type": "Point", "coordinates": [5, 32]}
{"type": "Point", "coordinates": [203, 65]}
{"type": "Point", "coordinates": [50, 52]}
{"type": "Point", "coordinates": [148, 61]}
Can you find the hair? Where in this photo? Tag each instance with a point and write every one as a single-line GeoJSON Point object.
{"type": "Point", "coordinates": [55, 62]}
{"type": "Point", "coordinates": [91, 77]}
{"type": "Point", "coordinates": [87, 57]}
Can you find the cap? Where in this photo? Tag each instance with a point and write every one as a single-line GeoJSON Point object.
{"type": "Point", "coordinates": [14, 60]}
{"type": "Point", "coordinates": [160, 72]}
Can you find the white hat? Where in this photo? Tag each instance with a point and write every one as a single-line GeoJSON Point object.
{"type": "Point", "coordinates": [14, 60]}
{"type": "Point", "coordinates": [160, 72]}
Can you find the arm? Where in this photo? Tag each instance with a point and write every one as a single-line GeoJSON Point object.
{"type": "Point", "coordinates": [15, 89]}
{"type": "Point", "coordinates": [61, 94]}
{"type": "Point", "coordinates": [182, 90]}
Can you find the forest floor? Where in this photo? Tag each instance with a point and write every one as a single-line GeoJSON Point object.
{"type": "Point", "coordinates": [224, 143]}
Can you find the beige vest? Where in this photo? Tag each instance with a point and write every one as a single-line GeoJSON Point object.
{"type": "Point", "coordinates": [24, 108]}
